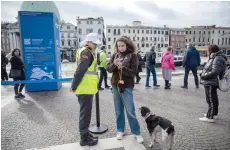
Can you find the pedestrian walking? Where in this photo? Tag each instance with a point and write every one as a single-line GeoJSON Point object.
{"type": "Point", "coordinates": [190, 62]}
{"type": "Point", "coordinates": [102, 64]}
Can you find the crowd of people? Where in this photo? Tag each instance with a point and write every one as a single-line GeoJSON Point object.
{"type": "Point", "coordinates": [125, 65]}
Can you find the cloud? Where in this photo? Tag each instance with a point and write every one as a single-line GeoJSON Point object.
{"type": "Point", "coordinates": [117, 15]}
{"type": "Point", "coordinates": [9, 10]}
{"type": "Point", "coordinates": [171, 13]}
{"type": "Point", "coordinates": [161, 13]}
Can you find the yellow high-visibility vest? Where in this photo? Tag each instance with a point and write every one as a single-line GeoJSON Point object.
{"type": "Point", "coordinates": [89, 82]}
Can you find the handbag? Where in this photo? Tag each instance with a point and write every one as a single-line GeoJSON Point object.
{"type": "Point", "coordinates": [15, 73]}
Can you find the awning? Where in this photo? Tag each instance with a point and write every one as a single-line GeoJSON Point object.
{"type": "Point", "coordinates": [202, 49]}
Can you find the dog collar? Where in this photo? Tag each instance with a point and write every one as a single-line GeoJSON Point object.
{"type": "Point", "coordinates": [148, 115]}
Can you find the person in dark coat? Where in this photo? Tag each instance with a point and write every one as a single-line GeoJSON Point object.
{"type": "Point", "coordinates": [17, 64]}
{"type": "Point", "coordinates": [213, 69]}
{"type": "Point", "coordinates": [4, 62]}
{"type": "Point", "coordinates": [150, 59]}
{"type": "Point", "coordinates": [140, 62]}
{"type": "Point", "coordinates": [191, 62]}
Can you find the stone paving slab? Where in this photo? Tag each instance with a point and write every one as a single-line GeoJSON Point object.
{"type": "Point", "coordinates": [127, 143]}
{"type": "Point", "coordinates": [46, 119]}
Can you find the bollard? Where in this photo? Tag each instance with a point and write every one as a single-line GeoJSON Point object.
{"type": "Point", "coordinates": [98, 128]}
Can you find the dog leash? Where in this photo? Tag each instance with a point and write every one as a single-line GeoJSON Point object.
{"type": "Point", "coordinates": [119, 91]}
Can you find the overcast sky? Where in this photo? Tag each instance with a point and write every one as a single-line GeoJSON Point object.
{"type": "Point", "coordinates": [171, 13]}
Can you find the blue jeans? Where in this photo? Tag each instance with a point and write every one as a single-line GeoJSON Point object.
{"type": "Point", "coordinates": [151, 69]}
{"type": "Point", "coordinates": [127, 96]}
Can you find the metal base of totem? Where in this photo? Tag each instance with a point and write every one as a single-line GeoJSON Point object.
{"type": "Point", "coordinates": [98, 128]}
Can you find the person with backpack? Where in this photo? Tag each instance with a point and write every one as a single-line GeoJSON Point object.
{"type": "Point", "coordinates": [4, 62]}
{"type": "Point", "coordinates": [102, 63]}
{"type": "Point", "coordinates": [213, 70]}
{"type": "Point", "coordinates": [191, 62]}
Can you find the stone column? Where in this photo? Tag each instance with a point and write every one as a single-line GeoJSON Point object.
{"type": "Point", "coordinates": [10, 39]}
{"type": "Point", "coordinates": [13, 41]}
{"type": "Point", "coordinates": [19, 42]}
{"type": "Point", "coordinates": [16, 40]}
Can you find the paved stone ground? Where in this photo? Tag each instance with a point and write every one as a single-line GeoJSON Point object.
{"type": "Point", "coordinates": [51, 118]}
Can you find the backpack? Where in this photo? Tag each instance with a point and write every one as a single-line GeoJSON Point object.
{"type": "Point", "coordinates": [98, 58]}
{"type": "Point", "coordinates": [224, 83]}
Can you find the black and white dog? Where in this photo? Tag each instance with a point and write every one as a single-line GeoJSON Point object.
{"type": "Point", "coordinates": [152, 122]}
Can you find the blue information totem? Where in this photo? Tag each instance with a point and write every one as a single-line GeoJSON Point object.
{"type": "Point", "coordinates": [40, 42]}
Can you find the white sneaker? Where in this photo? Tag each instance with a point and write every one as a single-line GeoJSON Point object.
{"type": "Point", "coordinates": [139, 139]}
{"type": "Point", "coordinates": [206, 119]}
{"type": "Point", "coordinates": [215, 117]}
{"type": "Point", "coordinates": [119, 135]}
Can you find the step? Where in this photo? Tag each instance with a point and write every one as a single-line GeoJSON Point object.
{"type": "Point", "coordinates": [127, 143]}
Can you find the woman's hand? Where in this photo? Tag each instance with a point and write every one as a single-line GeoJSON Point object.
{"type": "Point", "coordinates": [117, 61]}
